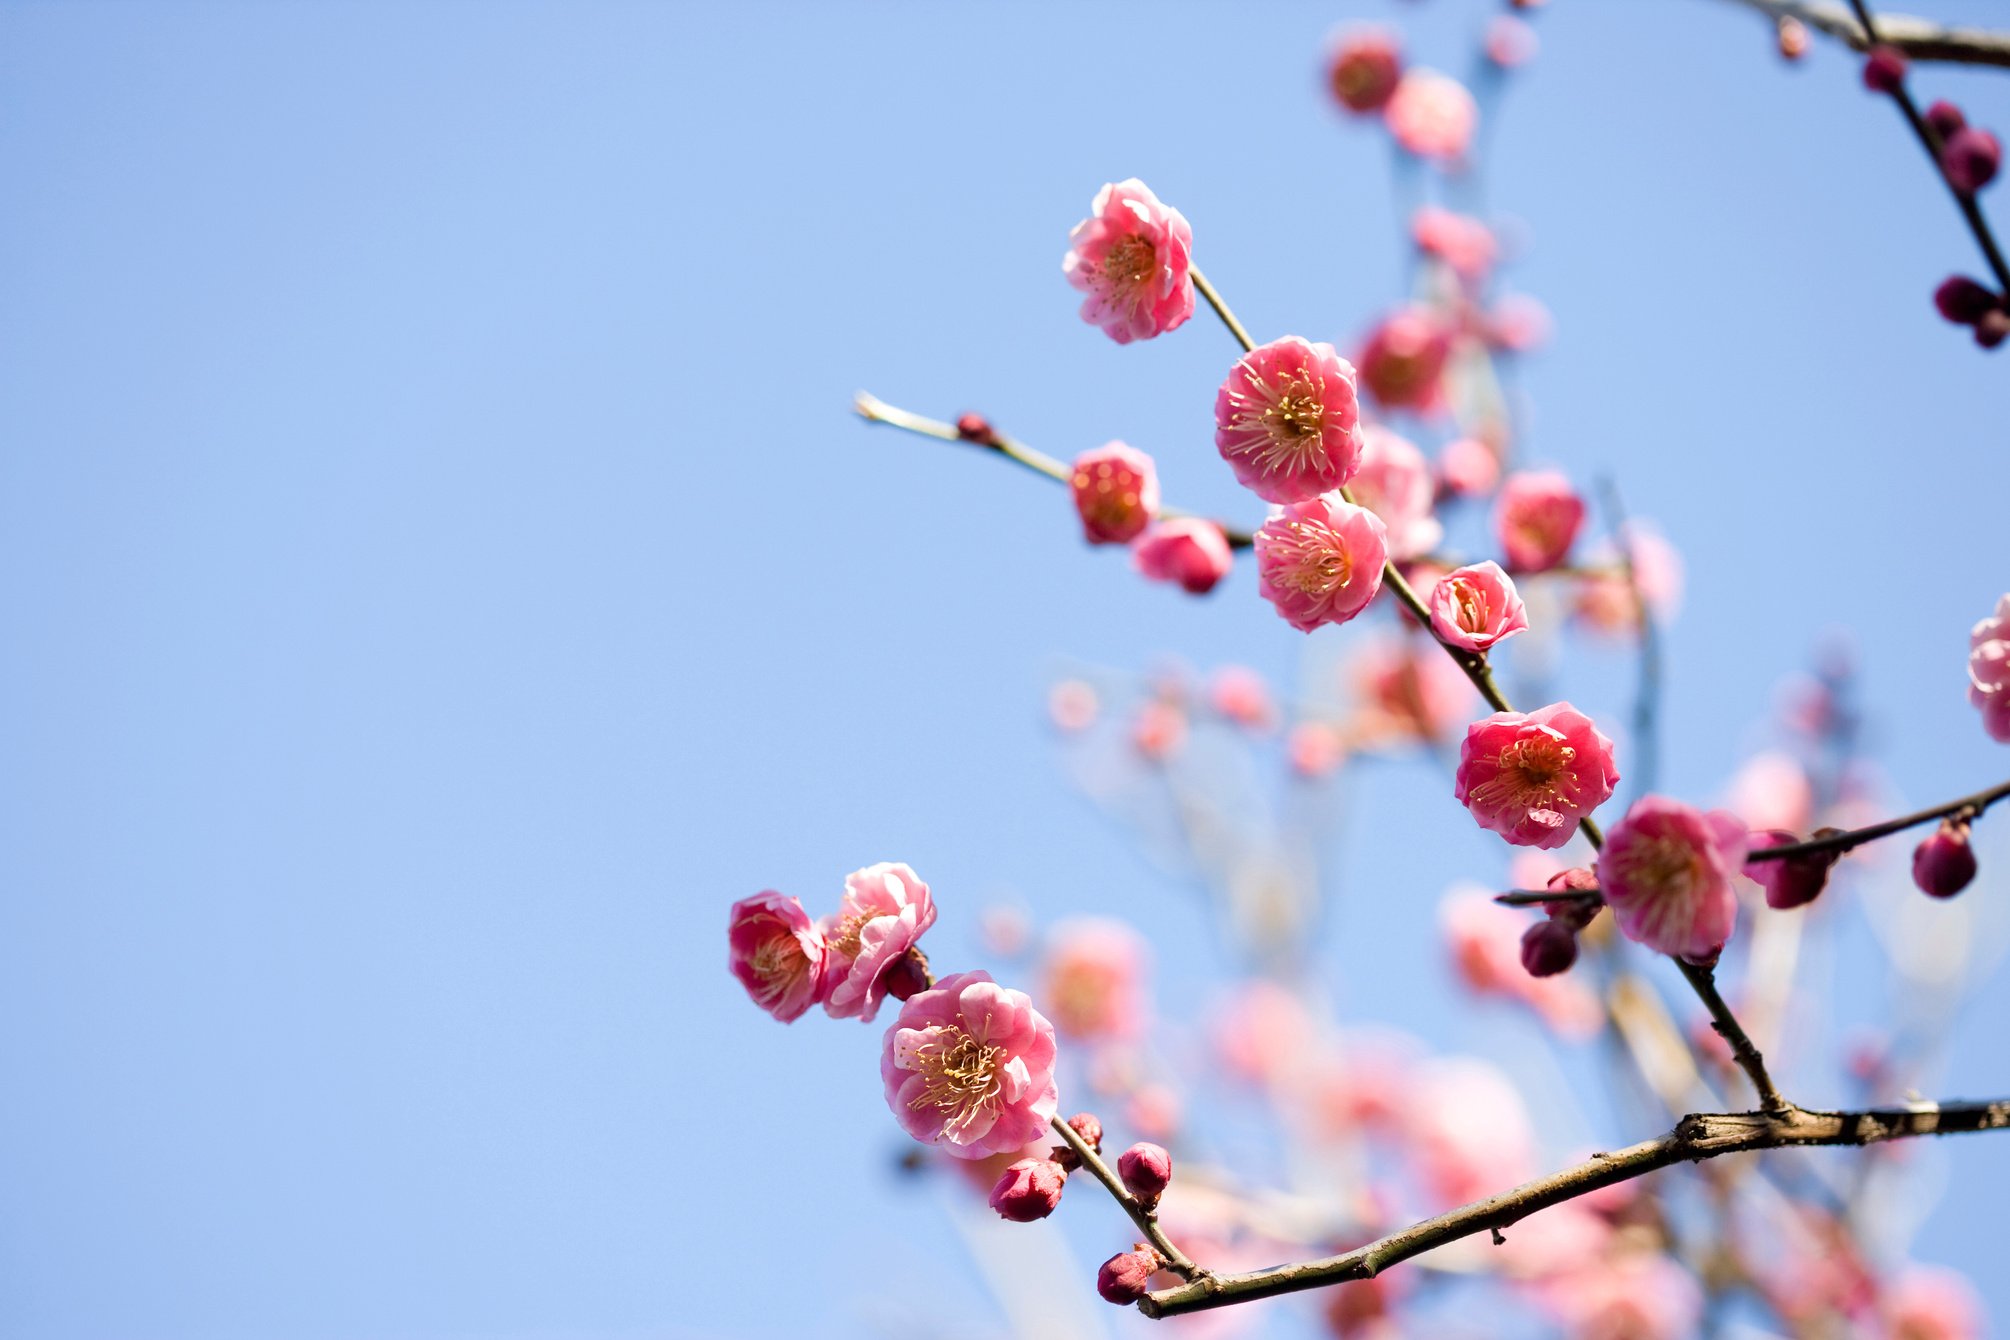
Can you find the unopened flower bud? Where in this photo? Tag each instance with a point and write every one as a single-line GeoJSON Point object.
{"type": "Point", "coordinates": [1971, 157]}
{"type": "Point", "coordinates": [1944, 863]}
{"type": "Point", "coordinates": [1992, 329]}
{"type": "Point", "coordinates": [1884, 69]}
{"type": "Point", "coordinates": [907, 975]}
{"type": "Point", "coordinates": [1575, 913]}
{"type": "Point", "coordinates": [1796, 880]}
{"type": "Point", "coordinates": [1089, 1128]}
{"type": "Point", "coordinates": [1548, 948]}
{"type": "Point", "coordinates": [1127, 1276]}
{"type": "Point", "coordinates": [1029, 1190]}
{"type": "Point", "coordinates": [1962, 300]}
{"type": "Point", "coordinates": [1793, 36]}
{"type": "Point", "coordinates": [1147, 1171]}
{"type": "Point", "coordinates": [1945, 118]}
{"type": "Point", "coordinates": [976, 428]}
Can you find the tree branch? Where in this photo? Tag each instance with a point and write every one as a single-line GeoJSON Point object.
{"type": "Point", "coordinates": [1147, 1221]}
{"type": "Point", "coordinates": [1695, 1138]}
{"type": "Point", "coordinates": [1920, 39]}
{"type": "Point", "coordinates": [1971, 806]}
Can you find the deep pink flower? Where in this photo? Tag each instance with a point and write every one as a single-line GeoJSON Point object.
{"type": "Point", "coordinates": [1133, 256]}
{"type": "Point", "coordinates": [1989, 671]}
{"type": "Point", "coordinates": [1116, 492]}
{"type": "Point", "coordinates": [1184, 549]}
{"type": "Point", "coordinates": [1394, 482]}
{"type": "Point", "coordinates": [776, 952]}
{"type": "Point", "coordinates": [1884, 69]}
{"type": "Point", "coordinates": [1530, 776]}
{"type": "Point", "coordinates": [969, 1067]}
{"type": "Point", "coordinates": [1476, 606]}
{"type": "Point", "coordinates": [1468, 467]}
{"type": "Point", "coordinates": [1364, 68]}
{"type": "Point", "coordinates": [1432, 115]}
{"type": "Point", "coordinates": [884, 911]}
{"type": "Point", "coordinates": [1320, 561]}
{"type": "Point", "coordinates": [1537, 520]}
{"type": "Point", "coordinates": [1028, 1190]}
{"type": "Point", "coordinates": [1288, 421]}
{"type": "Point", "coordinates": [1403, 359]}
{"type": "Point", "coordinates": [1459, 240]}
{"type": "Point", "coordinates": [1666, 871]}
{"type": "Point", "coordinates": [1606, 603]}
{"type": "Point", "coordinates": [1093, 978]}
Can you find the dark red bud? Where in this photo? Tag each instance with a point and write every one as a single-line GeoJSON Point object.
{"type": "Point", "coordinates": [976, 428]}
{"type": "Point", "coordinates": [1945, 118]}
{"type": "Point", "coordinates": [906, 975]}
{"type": "Point", "coordinates": [1962, 300]}
{"type": "Point", "coordinates": [1944, 864]}
{"type": "Point", "coordinates": [1884, 69]}
{"type": "Point", "coordinates": [1548, 948]}
{"type": "Point", "coordinates": [1992, 329]}
{"type": "Point", "coordinates": [1971, 157]}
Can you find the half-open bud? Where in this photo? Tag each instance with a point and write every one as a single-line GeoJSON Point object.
{"type": "Point", "coordinates": [1127, 1276]}
{"type": "Point", "coordinates": [1029, 1190]}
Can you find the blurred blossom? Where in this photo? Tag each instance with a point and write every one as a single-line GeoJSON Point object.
{"type": "Point", "coordinates": [1459, 240]}
{"type": "Point", "coordinates": [1606, 604]}
{"type": "Point", "coordinates": [1469, 1135]}
{"type": "Point", "coordinates": [1394, 482]}
{"type": "Point", "coordinates": [1158, 730]}
{"type": "Point", "coordinates": [1363, 69]}
{"type": "Point", "coordinates": [1005, 928]}
{"type": "Point", "coordinates": [1116, 491]}
{"type": "Point", "coordinates": [1772, 790]}
{"type": "Point", "coordinates": [1407, 690]}
{"type": "Point", "coordinates": [1432, 115]}
{"type": "Point", "coordinates": [1153, 1110]}
{"type": "Point", "coordinates": [1262, 1032]}
{"type": "Point", "coordinates": [1484, 940]}
{"type": "Point", "coordinates": [1518, 324]}
{"type": "Point", "coordinates": [1932, 1303]}
{"type": "Point", "coordinates": [1403, 359]}
{"type": "Point", "coordinates": [1510, 42]}
{"type": "Point", "coordinates": [1537, 519]}
{"type": "Point", "coordinates": [1072, 705]}
{"type": "Point", "coordinates": [1989, 670]}
{"type": "Point", "coordinates": [1468, 467]}
{"type": "Point", "coordinates": [1189, 550]}
{"type": "Point", "coordinates": [1638, 1296]}
{"type": "Point", "coordinates": [1316, 749]}
{"type": "Point", "coordinates": [1092, 978]}
{"type": "Point", "coordinates": [1241, 695]}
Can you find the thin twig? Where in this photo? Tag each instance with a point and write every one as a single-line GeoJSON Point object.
{"type": "Point", "coordinates": [1703, 980]}
{"type": "Point", "coordinates": [1221, 309]}
{"type": "Point", "coordinates": [1176, 1260]}
{"type": "Point", "coordinates": [1972, 806]}
{"type": "Point", "coordinates": [1695, 1138]}
{"type": "Point", "coordinates": [1920, 39]}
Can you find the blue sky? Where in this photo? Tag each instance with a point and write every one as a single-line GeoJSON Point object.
{"type": "Point", "coordinates": [439, 572]}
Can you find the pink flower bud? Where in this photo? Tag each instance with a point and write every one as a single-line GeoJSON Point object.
{"type": "Point", "coordinates": [1116, 491]}
{"type": "Point", "coordinates": [1476, 606]}
{"type": "Point", "coordinates": [1945, 118]}
{"type": "Point", "coordinates": [1793, 38]}
{"type": "Point", "coordinates": [1029, 1190]}
{"type": "Point", "coordinates": [1971, 157]}
{"type": "Point", "coordinates": [1548, 948]}
{"type": "Point", "coordinates": [1793, 882]}
{"type": "Point", "coordinates": [1147, 1171]}
{"type": "Point", "coordinates": [1944, 863]}
{"type": "Point", "coordinates": [1086, 1125]}
{"type": "Point", "coordinates": [1364, 68]}
{"type": "Point", "coordinates": [1884, 69]}
{"type": "Point", "coordinates": [976, 428]}
{"type": "Point", "coordinates": [1510, 42]}
{"type": "Point", "coordinates": [1184, 549]}
{"type": "Point", "coordinates": [1962, 300]}
{"type": "Point", "coordinates": [1127, 1276]}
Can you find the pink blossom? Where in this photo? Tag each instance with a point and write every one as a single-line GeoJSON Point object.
{"type": "Point", "coordinates": [1159, 729]}
{"type": "Point", "coordinates": [884, 911]}
{"type": "Point", "coordinates": [1315, 749]}
{"type": "Point", "coordinates": [1471, 1135]}
{"type": "Point", "coordinates": [1510, 42]}
{"type": "Point", "coordinates": [1364, 68]}
{"type": "Point", "coordinates": [1116, 492]}
{"type": "Point", "coordinates": [969, 1067]}
{"type": "Point", "coordinates": [1320, 561]}
{"type": "Point", "coordinates": [1184, 549]}
{"type": "Point", "coordinates": [1153, 1109]}
{"type": "Point", "coordinates": [1407, 691]}
{"type": "Point", "coordinates": [1288, 421]}
{"type": "Point", "coordinates": [1403, 359]}
{"type": "Point", "coordinates": [776, 952]}
{"type": "Point", "coordinates": [1667, 873]}
{"type": "Point", "coordinates": [1989, 671]}
{"type": "Point", "coordinates": [1932, 1303]}
{"type": "Point", "coordinates": [1072, 705]}
{"type": "Point", "coordinates": [1459, 240]}
{"type": "Point", "coordinates": [1134, 257]}
{"type": "Point", "coordinates": [1468, 467]}
{"type": "Point", "coordinates": [1093, 978]}
{"type": "Point", "coordinates": [1537, 520]}
{"type": "Point", "coordinates": [1431, 114]}
{"type": "Point", "coordinates": [1394, 482]}
{"type": "Point", "coordinates": [1530, 776]}
{"type": "Point", "coordinates": [1517, 324]}
{"type": "Point", "coordinates": [1476, 606]}
{"type": "Point", "coordinates": [1639, 1296]}
{"type": "Point", "coordinates": [1262, 1032]}
{"type": "Point", "coordinates": [1239, 694]}
{"type": "Point", "coordinates": [1772, 790]}
{"type": "Point", "coordinates": [1606, 603]}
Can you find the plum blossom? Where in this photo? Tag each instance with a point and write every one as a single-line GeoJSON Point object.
{"type": "Point", "coordinates": [1394, 482]}
{"type": "Point", "coordinates": [1403, 359]}
{"type": "Point", "coordinates": [1537, 520]}
{"type": "Point", "coordinates": [1116, 490]}
{"type": "Point", "coordinates": [1240, 694]}
{"type": "Point", "coordinates": [1315, 749]}
{"type": "Point", "coordinates": [777, 953]}
{"type": "Point", "coordinates": [1667, 872]}
{"type": "Point", "coordinates": [1530, 776]}
{"type": "Point", "coordinates": [1638, 1296]}
{"type": "Point", "coordinates": [1459, 240]}
{"type": "Point", "coordinates": [1407, 691]}
{"type": "Point", "coordinates": [1185, 549]}
{"type": "Point", "coordinates": [1471, 1135]}
{"type": "Point", "coordinates": [1364, 68]}
{"type": "Point", "coordinates": [969, 1067]}
{"type": "Point", "coordinates": [1028, 1190]}
{"type": "Point", "coordinates": [1320, 561]}
{"type": "Point", "coordinates": [1989, 671]}
{"type": "Point", "coordinates": [884, 911]}
{"type": "Point", "coordinates": [1134, 258]}
{"type": "Point", "coordinates": [1468, 467]}
{"type": "Point", "coordinates": [1606, 604]}
{"type": "Point", "coordinates": [1932, 1303]}
{"type": "Point", "coordinates": [1288, 420]}
{"type": "Point", "coordinates": [1432, 115]}
{"type": "Point", "coordinates": [1093, 978]}
{"type": "Point", "coordinates": [1262, 1032]}
{"type": "Point", "coordinates": [1476, 606]}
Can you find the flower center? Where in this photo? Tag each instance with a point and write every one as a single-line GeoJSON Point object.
{"type": "Point", "coordinates": [777, 962]}
{"type": "Point", "coordinates": [844, 940]}
{"type": "Point", "coordinates": [1131, 261]}
{"type": "Point", "coordinates": [959, 1074]}
{"type": "Point", "coordinates": [1470, 609]}
{"type": "Point", "coordinates": [1534, 770]}
{"type": "Point", "coordinates": [1662, 866]}
{"type": "Point", "coordinates": [1316, 560]}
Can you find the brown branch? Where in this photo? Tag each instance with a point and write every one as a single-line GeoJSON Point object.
{"type": "Point", "coordinates": [1695, 1138]}
{"type": "Point", "coordinates": [1147, 1221]}
{"type": "Point", "coordinates": [1969, 806]}
{"type": "Point", "coordinates": [1920, 39]}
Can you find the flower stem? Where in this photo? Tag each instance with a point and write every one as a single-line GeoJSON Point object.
{"type": "Point", "coordinates": [1221, 309]}
{"type": "Point", "coordinates": [1147, 1221]}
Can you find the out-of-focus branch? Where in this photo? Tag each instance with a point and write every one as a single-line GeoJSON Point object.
{"type": "Point", "coordinates": [1695, 1138]}
{"type": "Point", "coordinates": [1920, 39]}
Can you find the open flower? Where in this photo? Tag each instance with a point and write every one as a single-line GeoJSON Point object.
{"type": "Point", "coordinates": [1288, 420]}
{"type": "Point", "coordinates": [1402, 361]}
{"type": "Point", "coordinates": [1320, 561]}
{"type": "Point", "coordinates": [1530, 776]}
{"type": "Point", "coordinates": [886, 907]}
{"type": "Point", "coordinates": [1476, 606]}
{"type": "Point", "coordinates": [1189, 550]}
{"type": "Point", "coordinates": [1537, 519]}
{"type": "Point", "coordinates": [1134, 258]}
{"type": "Point", "coordinates": [1989, 671]}
{"type": "Point", "coordinates": [1666, 871]}
{"type": "Point", "coordinates": [1394, 482]}
{"type": "Point", "coordinates": [969, 1067]}
{"type": "Point", "coordinates": [776, 952]}
{"type": "Point", "coordinates": [1094, 973]}
{"type": "Point", "coordinates": [1432, 115]}
{"type": "Point", "coordinates": [1116, 490]}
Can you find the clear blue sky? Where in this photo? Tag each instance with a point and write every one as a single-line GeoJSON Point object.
{"type": "Point", "coordinates": [439, 572]}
